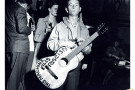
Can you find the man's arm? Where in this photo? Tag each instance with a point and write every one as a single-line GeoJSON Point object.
{"type": "Point", "coordinates": [39, 34]}
{"type": "Point", "coordinates": [53, 43]}
{"type": "Point", "coordinates": [21, 19]}
{"type": "Point", "coordinates": [87, 49]}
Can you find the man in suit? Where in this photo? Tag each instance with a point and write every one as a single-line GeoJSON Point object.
{"type": "Point", "coordinates": [16, 43]}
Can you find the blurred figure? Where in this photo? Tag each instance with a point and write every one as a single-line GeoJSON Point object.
{"type": "Point", "coordinates": [17, 43]}
{"type": "Point", "coordinates": [114, 61]}
{"type": "Point", "coordinates": [44, 28]}
{"type": "Point", "coordinates": [115, 52]}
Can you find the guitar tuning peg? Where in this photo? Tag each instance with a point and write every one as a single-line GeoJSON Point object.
{"type": "Point", "coordinates": [102, 23]}
{"type": "Point", "coordinates": [98, 27]}
{"type": "Point", "coordinates": [106, 28]}
{"type": "Point", "coordinates": [102, 32]}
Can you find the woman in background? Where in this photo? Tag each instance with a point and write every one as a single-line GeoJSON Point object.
{"type": "Point", "coordinates": [44, 27]}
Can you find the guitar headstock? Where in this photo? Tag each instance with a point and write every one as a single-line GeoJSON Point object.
{"type": "Point", "coordinates": [102, 28]}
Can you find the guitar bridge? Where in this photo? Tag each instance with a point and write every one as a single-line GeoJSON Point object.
{"type": "Point", "coordinates": [51, 72]}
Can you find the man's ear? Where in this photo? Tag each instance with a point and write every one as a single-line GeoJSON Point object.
{"type": "Point", "coordinates": [66, 10]}
{"type": "Point", "coordinates": [49, 9]}
{"type": "Point", "coordinates": [80, 9]}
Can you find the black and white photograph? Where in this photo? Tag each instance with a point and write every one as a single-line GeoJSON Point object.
{"type": "Point", "coordinates": [67, 45]}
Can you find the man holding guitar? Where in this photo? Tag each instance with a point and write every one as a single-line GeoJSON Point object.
{"type": "Point", "coordinates": [70, 40]}
{"type": "Point", "coordinates": [70, 32]}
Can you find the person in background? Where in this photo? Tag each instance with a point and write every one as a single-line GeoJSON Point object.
{"type": "Point", "coordinates": [115, 53]}
{"type": "Point", "coordinates": [16, 43]}
{"type": "Point", "coordinates": [44, 28]}
{"type": "Point", "coordinates": [70, 33]}
{"type": "Point", "coordinates": [114, 59]}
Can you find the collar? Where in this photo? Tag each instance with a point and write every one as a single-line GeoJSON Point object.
{"type": "Point", "coordinates": [46, 19]}
{"type": "Point", "coordinates": [20, 5]}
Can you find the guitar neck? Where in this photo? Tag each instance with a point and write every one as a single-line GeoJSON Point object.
{"type": "Point", "coordinates": [83, 45]}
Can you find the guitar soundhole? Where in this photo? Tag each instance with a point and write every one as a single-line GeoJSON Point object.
{"type": "Point", "coordinates": [63, 62]}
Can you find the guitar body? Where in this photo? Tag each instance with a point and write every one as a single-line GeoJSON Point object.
{"type": "Point", "coordinates": [51, 73]}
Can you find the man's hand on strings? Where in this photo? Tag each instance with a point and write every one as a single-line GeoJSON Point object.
{"type": "Point", "coordinates": [71, 44]}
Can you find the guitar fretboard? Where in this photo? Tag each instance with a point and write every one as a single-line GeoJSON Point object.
{"type": "Point", "coordinates": [83, 45]}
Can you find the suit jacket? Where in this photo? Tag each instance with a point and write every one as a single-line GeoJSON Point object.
{"type": "Point", "coordinates": [16, 29]}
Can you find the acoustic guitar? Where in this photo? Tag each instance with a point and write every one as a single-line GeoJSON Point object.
{"type": "Point", "coordinates": [50, 70]}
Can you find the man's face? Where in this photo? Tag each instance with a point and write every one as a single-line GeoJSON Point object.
{"type": "Point", "coordinates": [53, 10]}
{"type": "Point", "coordinates": [73, 7]}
